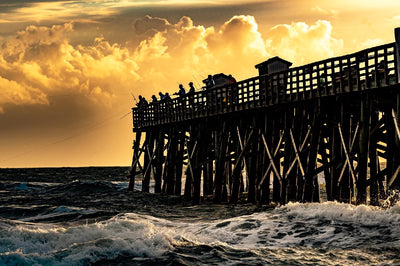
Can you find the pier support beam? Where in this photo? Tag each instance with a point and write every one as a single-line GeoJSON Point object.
{"type": "Point", "coordinates": [135, 161]}
{"type": "Point", "coordinates": [363, 150]}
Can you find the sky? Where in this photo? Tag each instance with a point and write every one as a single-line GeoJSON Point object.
{"type": "Point", "coordinates": [70, 71]}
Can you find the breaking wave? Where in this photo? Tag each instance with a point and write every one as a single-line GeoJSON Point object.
{"type": "Point", "coordinates": [303, 233]}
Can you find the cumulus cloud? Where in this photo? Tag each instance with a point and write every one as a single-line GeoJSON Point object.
{"type": "Point", "coordinates": [15, 93]}
{"type": "Point", "coordinates": [40, 62]}
{"type": "Point", "coordinates": [302, 43]}
{"type": "Point", "coordinates": [149, 24]}
{"type": "Point", "coordinates": [62, 86]}
{"type": "Point", "coordinates": [189, 51]}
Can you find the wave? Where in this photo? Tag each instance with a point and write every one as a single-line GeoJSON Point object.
{"type": "Point", "coordinates": [43, 244]}
{"type": "Point", "coordinates": [74, 186]}
{"type": "Point", "coordinates": [330, 224]}
{"type": "Point", "coordinates": [324, 233]}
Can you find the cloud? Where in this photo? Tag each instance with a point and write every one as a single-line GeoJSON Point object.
{"type": "Point", "coordinates": [59, 10]}
{"type": "Point", "coordinates": [323, 11]}
{"type": "Point", "coordinates": [302, 43]}
{"type": "Point", "coordinates": [186, 51]}
{"type": "Point", "coordinates": [43, 64]}
{"type": "Point", "coordinates": [149, 24]}
{"type": "Point", "coordinates": [14, 93]}
{"type": "Point", "coordinates": [370, 43]}
{"type": "Point", "coordinates": [62, 86]}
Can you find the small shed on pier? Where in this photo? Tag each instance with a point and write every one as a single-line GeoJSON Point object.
{"type": "Point", "coordinates": [272, 65]}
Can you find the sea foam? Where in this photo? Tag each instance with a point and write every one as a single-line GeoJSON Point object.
{"type": "Point", "coordinates": [314, 227]}
{"type": "Point", "coordinates": [44, 244]}
{"type": "Point", "coordinates": [329, 225]}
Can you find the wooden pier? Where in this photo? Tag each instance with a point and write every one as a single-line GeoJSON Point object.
{"type": "Point", "coordinates": [271, 138]}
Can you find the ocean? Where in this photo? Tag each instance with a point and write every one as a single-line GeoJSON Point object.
{"type": "Point", "coordinates": [85, 216]}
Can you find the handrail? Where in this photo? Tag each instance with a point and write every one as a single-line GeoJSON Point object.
{"type": "Point", "coordinates": [367, 69]}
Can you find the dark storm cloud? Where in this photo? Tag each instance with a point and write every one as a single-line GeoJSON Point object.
{"type": "Point", "coordinates": [10, 5]}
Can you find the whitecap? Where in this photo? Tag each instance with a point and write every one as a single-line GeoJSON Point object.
{"type": "Point", "coordinates": [54, 244]}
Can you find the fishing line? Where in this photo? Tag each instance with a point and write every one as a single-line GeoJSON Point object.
{"type": "Point", "coordinates": [83, 130]}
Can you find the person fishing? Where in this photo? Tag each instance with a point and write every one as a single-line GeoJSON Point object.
{"type": "Point", "coordinates": [162, 96]}
{"type": "Point", "coordinates": [191, 88]}
{"type": "Point", "coordinates": [181, 91]}
{"type": "Point", "coordinates": [141, 105]}
{"type": "Point", "coordinates": [211, 96]}
{"type": "Point", "coordinates": [210, 83]}
{"type": "Point", "coordinates": [233, 92]}
{"type": "Point", "coordinates": [142, 102]}
{"type": "Point", "coordinates": [191, 94]}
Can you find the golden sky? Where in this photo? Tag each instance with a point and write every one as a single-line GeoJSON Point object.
{"type": "Point", "coordinates": [68, 68]}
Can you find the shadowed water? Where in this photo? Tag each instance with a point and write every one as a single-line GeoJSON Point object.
{"type": "Point", "coordinates": [84, 216]}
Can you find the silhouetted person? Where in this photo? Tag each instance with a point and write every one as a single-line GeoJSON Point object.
{"type": "Point", "coordinates": [211, 96]}
{"type": "Point", "coordinates": [156, 107]}
{"type": "Point", "coordinates": [142, 102]}
{"type": "Point", "coordinates": [210, 82]}
{"type": "Point", "coordinates": [191, 88]}
{"type": "Point", "coordinates": [191, 94]}
{"type": "Point", "coordinates": [181, 91]}
{"type": "Point", "coordinates": [232, 80]}
{"type": "Point", "coordinates": [162, 96]}
{"type": "Point", "coordinates": [233, 89]}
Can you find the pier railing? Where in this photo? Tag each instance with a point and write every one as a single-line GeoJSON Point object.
{"type": "Point", "coordinates": [364, 70]}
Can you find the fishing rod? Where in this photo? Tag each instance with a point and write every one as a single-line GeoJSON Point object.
{"type": "Point", "coordinates": [197, 82]}
{"type": "Point", "coordinates": [122, 117]}
{"type": "Point", "coordinates": [136, 101]}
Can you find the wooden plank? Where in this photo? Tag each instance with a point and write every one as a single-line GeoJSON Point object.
{"type": "Point", "coordinates": [148, 170]}
{"type": "Point", "coordinates": [135, 160]}
{"type": "Point", "coordinates": [310, 191]}
{"type": "Point", "coordinates": [220, 149]}
{"type": "Point", "coordinates": [169, 169]}
{"type": "Point", "coordinates": [179, 161]}
{"type": "Point", "coordinates": [241, 146]}
{"type": "Point", "coordinates": [148, 153]}
{"type": "Point", "coordinates": [159, 153]}
{"type": "Point", "coordinates": [271, 159]}
{"type": "Point", "coordinates": [374, 161]}
{"type": "Point", "coordinates": [236, 169]}
{"type": "Point", "coordinates": [363, 150]}
{"type": "Point", "coordinates": [297, 156]}
{"type": "Point", "coordinates": [252, 162]}
{"type": "Point", "coordinates": [396, 125]}
{"type": "Point", "coordinates": [189, 172]}
{"type": "Point", "coordinates": [348, 161]}
{"type": "Point", "coordinates": [197, 161]}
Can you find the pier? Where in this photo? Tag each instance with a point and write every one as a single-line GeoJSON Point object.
{"type": "Point", "coordinates": [273, 137]}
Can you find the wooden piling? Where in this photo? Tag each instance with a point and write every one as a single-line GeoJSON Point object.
{"type": "Point", "coordinates": [148, 158]}
{"type": "Point", "coordinates": [158, 161]}
{"type": "Point", "coordinates": [135, 161]}
{"type": "Point", "coordinates": [363, 150]}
